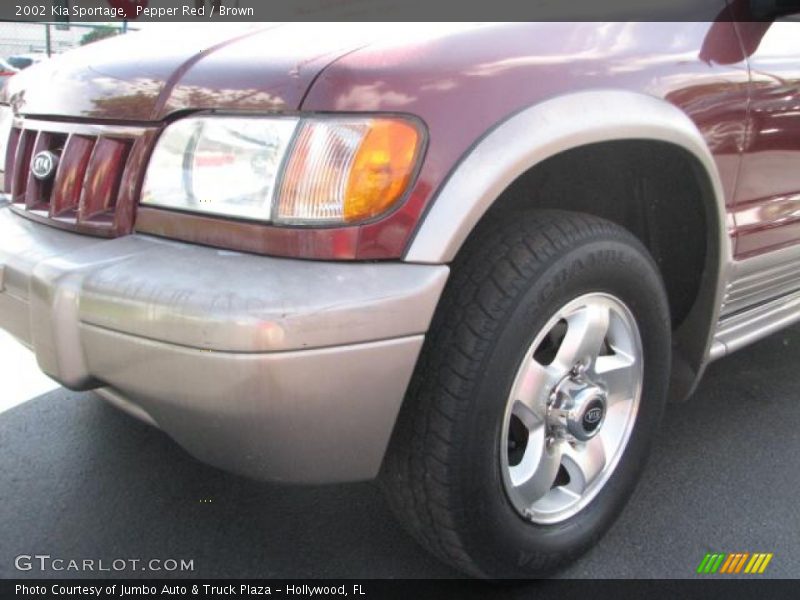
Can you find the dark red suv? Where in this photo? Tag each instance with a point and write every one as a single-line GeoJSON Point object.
{"type": "Point", "coordinates": [471, 261]}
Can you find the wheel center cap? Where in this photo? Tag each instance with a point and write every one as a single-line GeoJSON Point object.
{"type": "Point", "coordinates": [577, 410]}
{"type": "Point", "coordinates": [593, 415]}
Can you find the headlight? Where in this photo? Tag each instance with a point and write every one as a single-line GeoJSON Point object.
{"type": "Point", "coordinates": [225, 166]}
{"type": "Point", "coordinates": [286, 170]}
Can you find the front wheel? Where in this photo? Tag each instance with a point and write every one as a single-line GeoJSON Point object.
{"type": "Point", "coordinates": [541, 383]}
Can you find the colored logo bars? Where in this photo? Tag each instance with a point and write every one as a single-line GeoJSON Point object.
{"type": "Point", "coordinates": [737, 562]}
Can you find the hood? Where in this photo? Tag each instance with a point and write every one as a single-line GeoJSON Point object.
{"type": "Point", "coordinates": [146, 76]}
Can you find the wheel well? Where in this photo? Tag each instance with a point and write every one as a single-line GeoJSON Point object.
{"type": "Point", "coordinates": [660, 193]}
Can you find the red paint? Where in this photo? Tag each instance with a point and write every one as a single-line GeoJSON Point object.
{"type": "Point", "coordinates": [37, 192]}
{"type": "Point", "coordinates": [146, 76]}
{"type": "Point", "coordinates": [22, 161]}
{"type": "Point", "coordinates": [95, 187]}
{"type": "Point", "coordinates": [767, 212]}
{"type": "Point", "coordinates": [104, 177]}
{"type": "Point", "coordinates": [337, 244]}
{"type": "Point", "coordinates": [70, 175]}
{"type": "Point", "coordinates": [465, 83]}
{"type": "Point", "coordinates": [461, 80]}
{"type": "Point", "coordinates": [131, 183]}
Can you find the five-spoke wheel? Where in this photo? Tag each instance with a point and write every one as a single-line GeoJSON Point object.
{"type": "Point", "coordinates": [571, 408]}
{"type": "Point", "coordinates": [539, 390]}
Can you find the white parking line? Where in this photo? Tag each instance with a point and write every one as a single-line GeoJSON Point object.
{"type": "Point", "coordinates": [20, 377]}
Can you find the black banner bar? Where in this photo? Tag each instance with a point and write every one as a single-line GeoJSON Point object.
{"type": "Point", "coordinates": [153, 11]}
{"type": "Point", "coordinates": [205, 589]}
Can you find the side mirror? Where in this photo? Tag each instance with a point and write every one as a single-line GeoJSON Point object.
{"type": "Point", "coordinates": [772, 9]}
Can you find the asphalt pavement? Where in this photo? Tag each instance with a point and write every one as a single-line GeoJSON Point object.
{"type": "Point", "coordinates": [80, 480]}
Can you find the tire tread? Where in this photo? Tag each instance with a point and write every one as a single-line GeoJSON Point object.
{"type": "Point", "coordinates": [489, 275]}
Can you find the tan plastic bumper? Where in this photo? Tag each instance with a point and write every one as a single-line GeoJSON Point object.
{"type": "Point", "coordinates": [279, 369]}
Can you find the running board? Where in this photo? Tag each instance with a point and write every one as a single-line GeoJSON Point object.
{"type": "Point", "coordinates": [750, 325]}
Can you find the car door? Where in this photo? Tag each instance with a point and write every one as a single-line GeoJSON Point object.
{"type": "Point", "coordinates": [767, 203]}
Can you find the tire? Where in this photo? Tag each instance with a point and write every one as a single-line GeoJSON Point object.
{"type": "Point", "coordinates": [448, 472]}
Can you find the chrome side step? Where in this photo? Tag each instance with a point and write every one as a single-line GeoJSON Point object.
{"type": "Point", "coordinates": [760, 279]}
{"type": "Point", "coordinates": [750, 325]}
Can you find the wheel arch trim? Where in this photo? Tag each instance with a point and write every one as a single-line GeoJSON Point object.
{"type": "Point", "coordinates": [556, 125]}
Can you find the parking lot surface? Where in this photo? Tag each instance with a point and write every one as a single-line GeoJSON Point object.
{"type": "Point", "coordinates": [78, 479]}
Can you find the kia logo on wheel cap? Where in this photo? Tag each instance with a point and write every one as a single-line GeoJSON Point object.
{"type": "Point", "coordinates": [44, 164]}
{"type": "Point", "coordinates": [593, 415]}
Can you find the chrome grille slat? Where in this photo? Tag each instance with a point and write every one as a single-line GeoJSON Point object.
{"type": "Point", "coordinates": [91, 186]}
{"type": "Point", "coordinates": [21, 165]}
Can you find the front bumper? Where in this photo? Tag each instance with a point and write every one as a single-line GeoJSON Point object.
{"type": "Point", "coordinates": [279, 369]}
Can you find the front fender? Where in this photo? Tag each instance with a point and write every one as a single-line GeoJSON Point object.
{"type": "Point", "coordinates": [562, 123]}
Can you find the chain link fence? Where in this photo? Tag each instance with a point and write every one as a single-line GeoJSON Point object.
{"type": "Point", "coordinates": [39, 40]}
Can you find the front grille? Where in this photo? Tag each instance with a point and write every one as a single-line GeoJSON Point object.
{"type": "Point", "coordinates": [94, 185]}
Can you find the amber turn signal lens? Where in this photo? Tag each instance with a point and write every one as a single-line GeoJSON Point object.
{"type": "Point", "coordinates": [300, 171]}
{"type": "Point", "coordinates": [346, 170]}
{"type": "Point", "coordinates": [381, 170]}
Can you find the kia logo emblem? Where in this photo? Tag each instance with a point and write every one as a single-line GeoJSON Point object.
{"type": "Point", "coordinates": [593, 415]}
{"type": "Point", "coordinates": [44, 164]}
